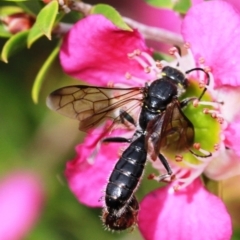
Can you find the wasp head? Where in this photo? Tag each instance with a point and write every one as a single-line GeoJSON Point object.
{"type": "Point", "coordinates": [176, 76]}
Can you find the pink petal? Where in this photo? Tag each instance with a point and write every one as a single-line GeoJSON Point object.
{"type": "Point", "coordinates": [224, 166]}
{"type": "Point", "coordinates": [227, 163]}
{"type": "Point", "coordinates": [232, 135]}
{"type": "Point", "coordinates": [212, 29]}
{"type": "Point", "coordinates": [88, 172]}
{"type": "Point", "coordinates": [235, 3]}
{"type": "Point", "coordinates": [143, 9]}
{"type": "Point", "coordinates": [96, 51]}
{"type": "Point", "coordinates": [156, 17]}
{"type": "Point", "coordinates": [193, 213]}
{"type": "Point", "coordinates": [231, 98]}
{"type": "Point", "coordinates": [20, 205]}
{"type": "Point", "coordinates": [196, 1]}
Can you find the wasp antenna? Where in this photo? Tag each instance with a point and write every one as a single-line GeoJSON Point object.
{"type": "Point", "coordinates": [208, 79]}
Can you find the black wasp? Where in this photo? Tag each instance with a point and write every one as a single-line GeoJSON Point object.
{"type": "Point", "coordinates": [160, 125]}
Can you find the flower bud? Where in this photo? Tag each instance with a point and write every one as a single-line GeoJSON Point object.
{"type": "Point", "coordinates": [18, 22]}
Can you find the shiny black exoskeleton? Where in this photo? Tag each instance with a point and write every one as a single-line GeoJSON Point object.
{"type": "Point", "coordinates": [161, 125]}
{"type": "Point", "coordinates": [160, 93]}
{"type": "Point", "coordinates": [129, 168]}
{"type": "Point", "coordinates": [126, 174]}
{"type": "Point", "coordinates": [126, 219]}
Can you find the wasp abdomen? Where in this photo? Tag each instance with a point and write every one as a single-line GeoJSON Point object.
{"type": "Point", "coordinates": [126, 174]}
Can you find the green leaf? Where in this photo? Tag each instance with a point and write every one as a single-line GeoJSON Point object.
{"type": "Point", "coordinates": [3, 32]}
{"type": "Point", "coordinates": [8, 10]}
{"type": "Point", "coordinates": [14, 44]}
{"type": "Point", "coordinates": [160, 3]}
{"type": "Point", "coordinates": [111, 14]}
{"type": "Point", "coordinates": [42, 73]}
{"type": "Point", "coordinates": [180, 6]}
{"type": "Point", "coordinates": [44, 23]}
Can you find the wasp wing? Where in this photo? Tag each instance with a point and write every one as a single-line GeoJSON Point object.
{"type": "Point", "coordinates": [171, 130]}
{"type": "Point", "coordinates": [92, 105]}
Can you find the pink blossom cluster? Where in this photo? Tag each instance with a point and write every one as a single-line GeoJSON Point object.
{"type": "Point", "coordinates": [96, 51]}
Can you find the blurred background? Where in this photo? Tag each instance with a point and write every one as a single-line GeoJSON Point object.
{"type": "Point", "coordinates": [39, 141]}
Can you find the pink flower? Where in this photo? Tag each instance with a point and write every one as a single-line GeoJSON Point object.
{"type": "Point", "coordinates": [92, 166]}
{"type": "Point", "coordinates": [221, 53]}
{"type": "Point", "coordinates": [103, 49]}
{"type": "Point", "coordinates": [20, 205]}
{"type": "Point", "coordinates": [96, 51]}
{"type": "Point", "coordinates": [193, 213]}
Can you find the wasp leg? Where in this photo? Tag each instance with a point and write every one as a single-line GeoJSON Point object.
{"type": "Point", "coordinates": [123, 116]}
{"type": "Point", "coordinates": [126, 116]}
{"type": "Point", "coordinates": [165, 164]}
{"type": "Point", "coordinates": [117, 140]}
{"type": "Point", "coordinates": [186, 101]}
{"type": "Point", "coordinates": [164, 177]}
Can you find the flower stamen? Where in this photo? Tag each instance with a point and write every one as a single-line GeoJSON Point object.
{"type": "Point", "coordinates": [149, 65]}
{"type": "Point", "coordinates": [190, 55]}
{"type": "Point", "coordinates": [136, 52]}
{"type": "Point", "coordinates": [129, 76]}
{"type": "Point", "coordinates": [183, 182]}
{"type": "Point", "coordinates": [110, 84]}
{"type": "Point", "coordinates": [178, 158]}
{"type": "Point", "coordinates": [201, 62]}
{"type": "Point", "coordinates": [149, 58]}
{"type": "Point", "coordinates": [216, 147]}
{"type": "Point", "coordinates": [214, 114]}
{"type": "Point", "coordinates": [147, 69]}
{"type": "Point", "coordinates": [208, 103]}
{"type": "Point", "coordinates": [161, 64]}
{"type": "Point", "coordinates": [174, 52]}
{"type": "Point", "coordinates": [141, 61]}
